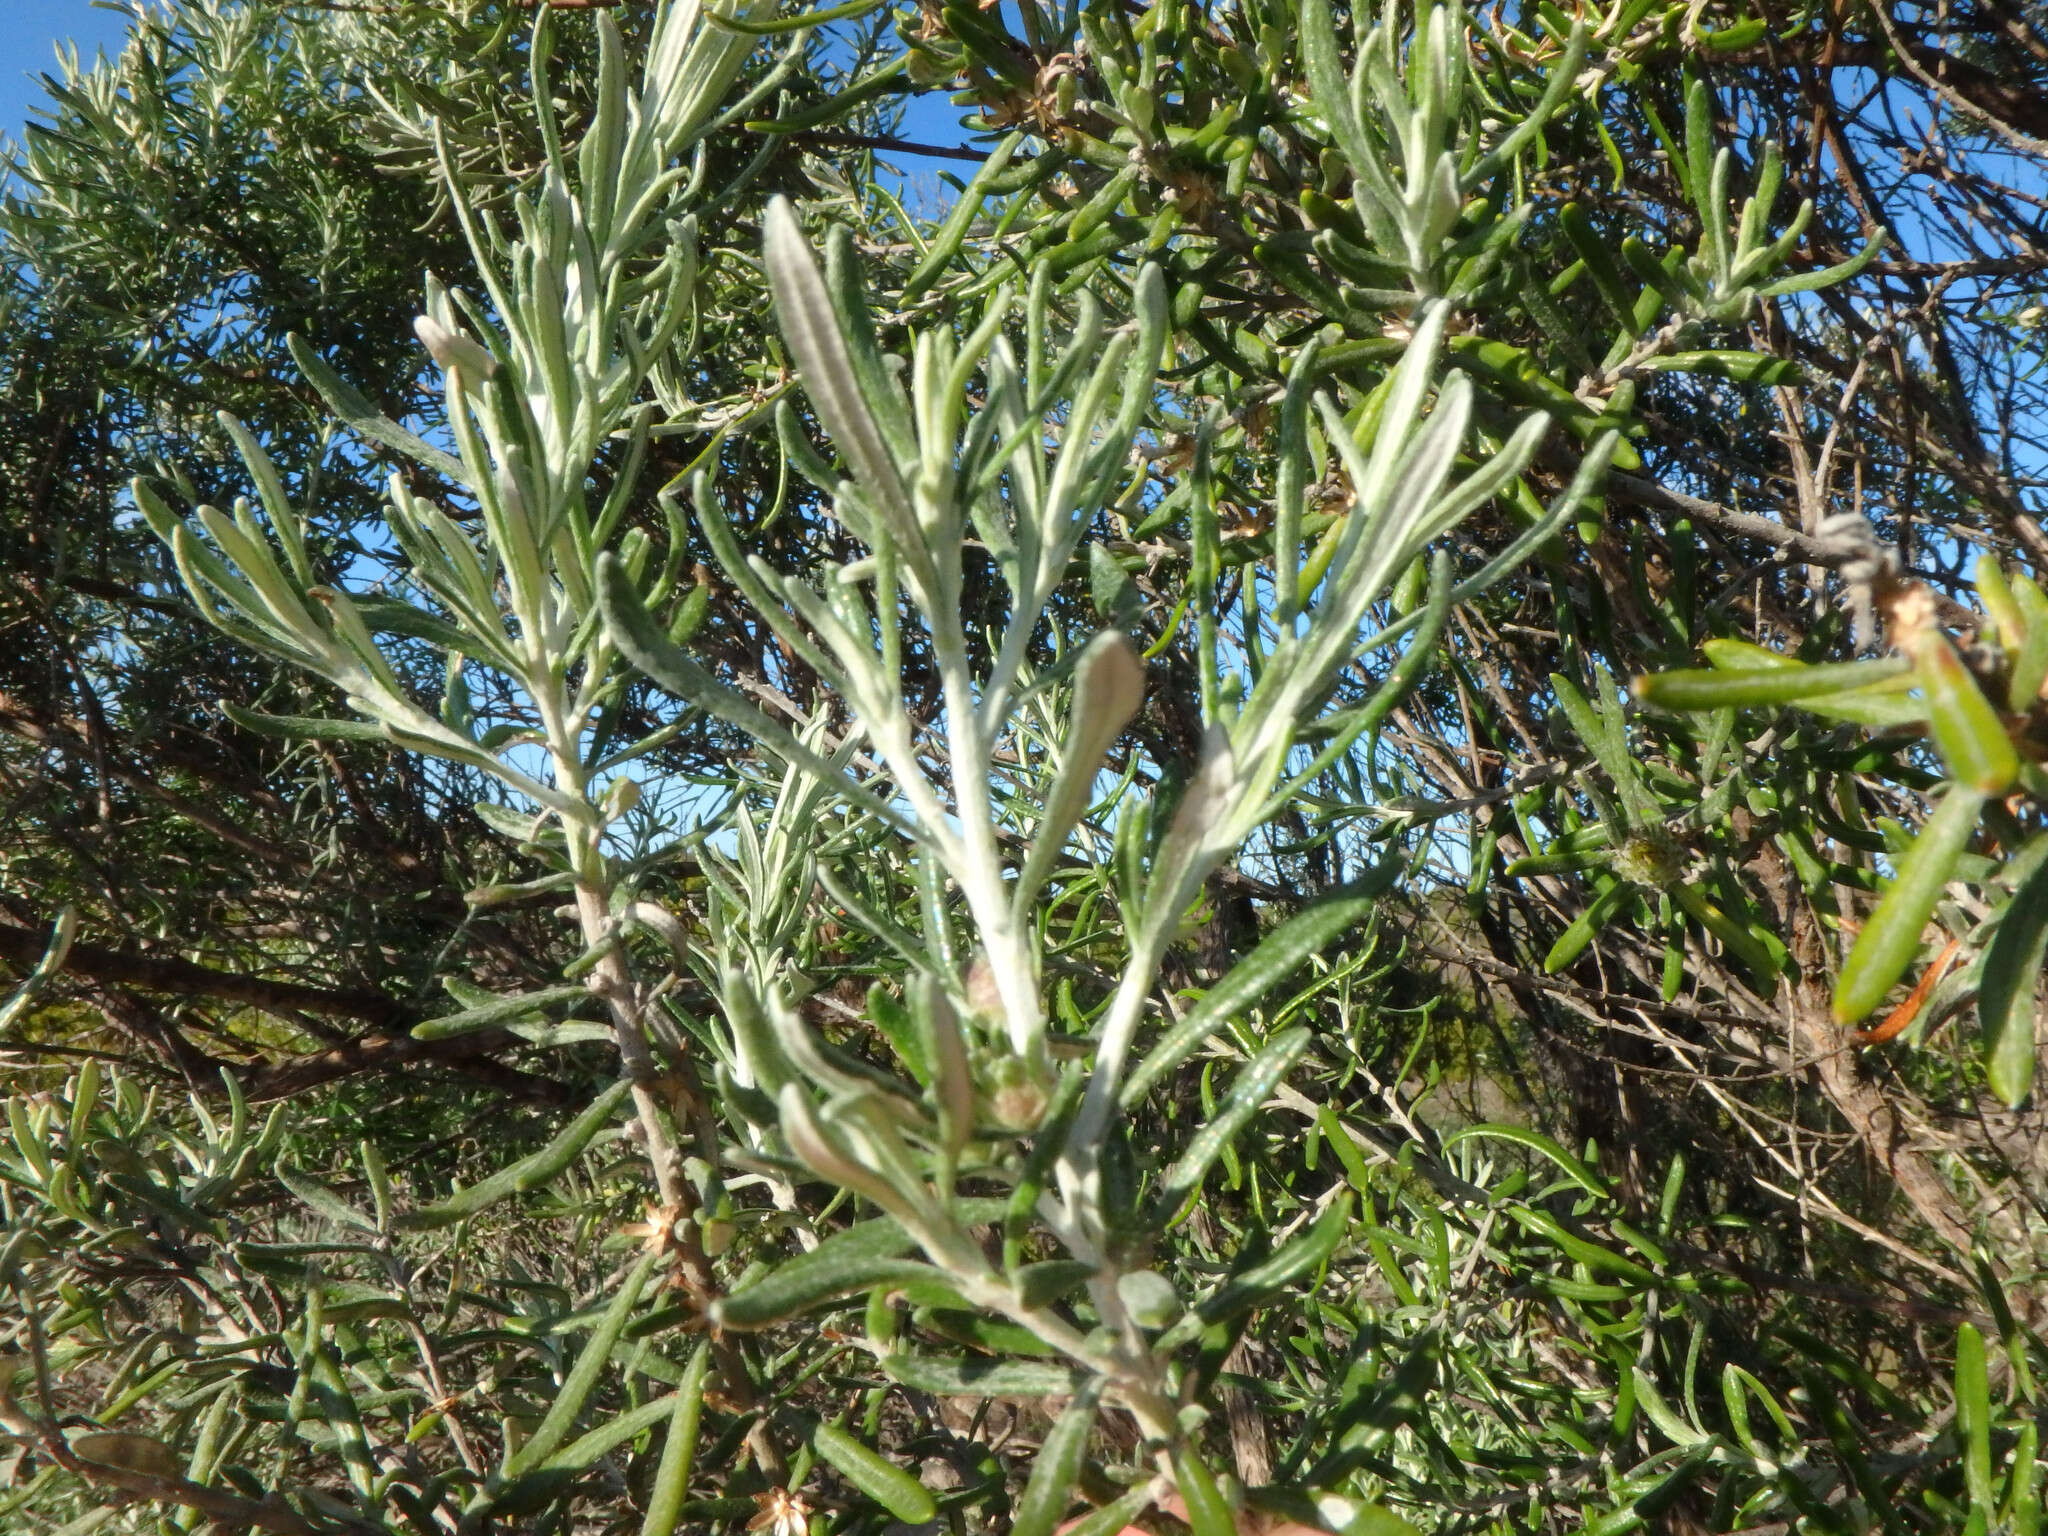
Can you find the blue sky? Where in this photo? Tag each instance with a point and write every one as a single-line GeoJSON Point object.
{"type": "Point", "coordinates": [34, 27]}
{"type": "Point", "coordinates": [27, 41]}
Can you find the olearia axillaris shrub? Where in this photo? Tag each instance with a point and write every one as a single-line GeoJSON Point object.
{"type": "Point", "coordinates": [988, 1140]}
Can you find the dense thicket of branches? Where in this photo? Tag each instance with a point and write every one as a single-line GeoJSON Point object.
{"type": "Point", "coordinates": [1557, 1191]}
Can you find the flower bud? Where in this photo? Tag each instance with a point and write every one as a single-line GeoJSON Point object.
{"type": "Point", "coordinates": [1017, 1099]}
{"type": "Point", "coordinates": [946, 1059]}
{"type": "Point", "coordinates": [1150, 1298]}
{"type": "Point", "coordinates": [1204, 804]}
{"type": "Point", "coordinates": [984, 996]}
{"type": "Point", "coordinates": [509, 491]}
{"type": "Point", "coordinates": [1109, 685]}
{"type": "Point", "coordinates": [451, 349]}
{"type": "Point", "coordinates": [621, 797]}
{"type": "Point", "coordinates": [1651, 856]}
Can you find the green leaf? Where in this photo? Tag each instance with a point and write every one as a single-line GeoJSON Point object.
{"type": "Point", "coordinates": [587, 1448]}
{"type": "Point", "coordinates": [324, 1200]}
{"type": "Point", "coordinates": [499, 1012]}
{"type": "Point", "coordinates": [963, 1325]}
{"type": "Point", "coordinates": [953, 1377]}
{"type": "Point", "coordinates": [302, 727]}
{"type": "Point", "coordinates": [1699, 148]}
{"type": "Point", "coordinates": [895, 1021]}
{"type": "Point", "coordinates": [1536, 1141]}
{"type": "Point", "coordinates": [1378, 1520]}
{"type": "Point", "coordinates": [1050, 1280]}
{"type": "Point", "coordinates": [1056, 1469]}
{"type": "Point", "coordinates": [1280, 954]}
{"type": "Point", "coordinates": [1742, 367]}
{"type": "Point", "coordinates": [1661, 1413]}
{"type": "Point", "coordinates": [1557, 863]}
{"type": "Point", "coordinates": [1762, 687]}
{"type": "Point", "coordinates": [1248, 1095]}
{"type": "Point", "coordinates": [874, 1475]}
{"type": "Point", "coordinates": [2008, 989]}
{"type": "Point", "coordinates": [671, 1484]}
{"type": "Point", "coordinates": [1110, 588]}
{"type": "Point", "coordinates": [643, 642]}
{"type": "Point", "coordinates": [865, 1255]}
{"type": "Point", "coordinates": [583, 1376]}
{"type": "Point", "coordinates": [1265, 1281]}
{"type": "Point", "coordinates": [1602, 726]}
{"type": "Point", "coordinates": [947, 241]}
{"type": "Point", "coordinates": [1112, 1518]}
{"type": "Point", "coordinates": [1376, 1414]}
{"type": "Point", "coordinates": [1891, 937]}
{"type": "Point", "coordinates": [843, 397]}
{"type": "Point", "coordinates": [1973, 1415]}
{"type": "Point", "coordinates": [1208, 1513]}
{"type": "Point", "coordinates": [1827, 277]}
{"type": "Point", "coordinates": [528, 1173]}
{"type": "Point", "coordinates": [1737, 1387]}
{"type": "Point", "coordinates": [2030, 666]}
{"type": "Point", "coordinates": [1580, 1249]}
{"type": "Point", "coordinates": [364, 418]}
{"type": "Point", "coordinates": [1596, 251]}
{"type": "Point", "coordinates": [1330, 91]}
{"type": "Point", "coordinates": [1586, 926]}
{"type": "Point", "coordinates": [1759, 951]}
{"type": "Point", "coordinates": [1967, 731]}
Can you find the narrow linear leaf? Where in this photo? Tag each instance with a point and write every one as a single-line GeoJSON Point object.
{"type": "Point", "coordinates": [582, 1378]}
{"type": "Point", "coordinates": [868, 1254]}
{"type": "Point", "coordinates": [2008, 989]}
{"type": "Point", "coordinates": [1660, 1413]}
{"type": "Point", "coordinates": [322, 1199]}
{"type": "Point", "coordinates": [875, 1475]}
{"type": "Point", "coordinates": [1586, 926]}
{"type": "Point", "coordinates": [679, 1450]}
{"type": "Point", "coordinates": [951, 1377]}
{"type": "Point", "coordinates": [301, 727]}
{"type": "Point", "coordinates": [1579, 1249]}
{"type": "Point", "coordinates": [953, 233]}
{"type": "Point", "coordinates": [641, 641]}
{"type": "Point", "coordinates": [1208, 1512]}
{"type": "Point", "coordinates": [1265, 1281]}
{"type": "Point", "coordinates": [1891, 937]}
{"type": "Point", "coordinates": [1967, 731]}
{"type": "Point", "coordinates": [364, 418]}
{"type": "Point", "coordinates": [1279, 955]}
{"type": "Point", "coordinates": [1113, 1517]}
{"type": "Point", "coordinates": [528, 1173]}
{"type": "Point", "coordinates": [1535, 1141]}
{"type": "Point", "coordinates": [812, 330]}
{"type": "Point", "coordinates": [1057, 1468]}
{"type": "Point", "coordinates": [500, 1012]}
{"type": "Point", "coordinates": [586, 1449]}
{"type": "Point", "coordinates": [1973, 1414]}
{"type": "Point", "coordinates": [1762, 687]}
{"type": "Point", "coordinates": [1248, 1095]}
